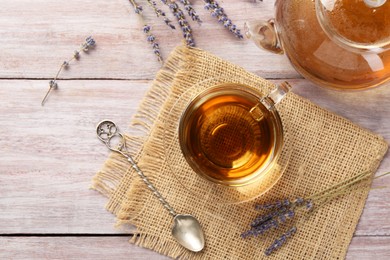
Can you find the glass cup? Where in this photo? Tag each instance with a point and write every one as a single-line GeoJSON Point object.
{"type": "Point", "coordinates": [225, 140]}
{"type": "Point", "coordinates": [232, 136]}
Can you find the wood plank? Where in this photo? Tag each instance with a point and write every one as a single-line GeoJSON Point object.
{"type": "Point", "coordinates": [361, 248]}
{"type": "Point", "coordinates": [73, 248]}
{"type": "Point", "coordinates": [36, 36]}
{"type": "Point", "coordinates": [366, 248]}
{"type": "Point", "coordinates": [49, 154]}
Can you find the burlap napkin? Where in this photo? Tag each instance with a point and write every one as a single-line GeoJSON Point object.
{"type": "Point", "coordinates": [326, 150]}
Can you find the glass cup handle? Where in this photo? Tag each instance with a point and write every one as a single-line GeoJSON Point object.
{"type": "Point", "coordinates": [277, 94]}
{"type": "Point", "coordinates": [269, 101]}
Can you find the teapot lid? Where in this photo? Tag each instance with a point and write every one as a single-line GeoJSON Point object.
{"type": "Point", "coordinates": [359, 24]}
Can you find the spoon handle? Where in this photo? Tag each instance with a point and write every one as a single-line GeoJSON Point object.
{"type": "Point", "coordinates": [151, 186]}
{"type": "Point", "coordinates": [107, 131]}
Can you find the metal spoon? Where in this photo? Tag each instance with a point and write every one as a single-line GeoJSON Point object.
{"type": "Point", "coordinates": [186, 228]}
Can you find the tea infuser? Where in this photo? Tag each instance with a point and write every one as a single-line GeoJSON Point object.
{"type": "Point", "coordinates": [186, 229]}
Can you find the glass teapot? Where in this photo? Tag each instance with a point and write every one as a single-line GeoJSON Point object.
{"type": "Point", "coordinates": [341, 44]}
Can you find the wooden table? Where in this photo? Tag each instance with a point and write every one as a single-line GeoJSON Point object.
{"type": "Point", "coordinates": [49, 154]}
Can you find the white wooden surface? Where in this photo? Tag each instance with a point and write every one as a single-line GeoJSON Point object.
{"type": "Point", "coordinates": [49, 154]}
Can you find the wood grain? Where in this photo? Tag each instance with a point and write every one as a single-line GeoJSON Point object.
{"type": "Point", "coordinates": [36, 36]}
{"type": "Point", "coordinates": [361, 248]}
{"type": "Point", "coordinates": [73, 248]}
{"type": "Point", "coordinates": [49, 154]}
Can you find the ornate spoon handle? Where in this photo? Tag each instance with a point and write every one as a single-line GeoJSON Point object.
{"type": "Point", "coordinates": [106, 132]}
{"type": "Point", "coordinates": [151, 187]}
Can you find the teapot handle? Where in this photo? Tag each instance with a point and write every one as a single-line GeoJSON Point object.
{"type": "Point", "coordinates": [264, 35]}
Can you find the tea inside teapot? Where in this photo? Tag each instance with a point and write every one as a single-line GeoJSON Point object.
{"type": "Point", "coordinates": [363, 24]}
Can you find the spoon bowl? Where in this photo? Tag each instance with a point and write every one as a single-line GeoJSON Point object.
{"type": "Point", "coordinates": [188, 232]}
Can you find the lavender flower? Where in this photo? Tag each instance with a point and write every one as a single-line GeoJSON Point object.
{"type": "Point", "coordinates": [185, 27]}
{"type": "Point", "coordinates": [147, 30]}
{"type": "Point", "coordinates": [159, 13]}
{"type": "Point", "coordinates": [275, 205]}
{"type": "Point", "coordinates": [53, 84]}
{"type": "Point", "coordinates": [280, 241]}
{"type": "Point", "coordinates": [269, 221]}
{"type": "Point", "coordinates": [85, 46]}
{"type": "Point", "coordinates": [281, 211]}
{"type": "Point", "coordinates": [299, 201]}
{"type": "Point", "coordinates": [309, 205]}
{"type": "Point", "coordinates": [277, 214]}
{"type": "Point", "coordinates": [152, 40]}
{"type": "Point", "coordinates": [191, 11]}
{"type": "Point", "coordinates": [138, 9]}
{"type": "Point", "coordinates": [290, 213]}
{"type": "Point", "coordinates": [261, 229]}
{"type": "Point", "coordinates": [261, 219]}
{"type": "Point", "coordinates": [89, 43]}
{"type": "Point", "coordinates": [218, 12]}
{"type": "Point", "coordinates": [76, 55]}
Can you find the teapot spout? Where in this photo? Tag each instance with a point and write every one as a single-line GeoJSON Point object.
{"type": "Point", "coordinates": [264, 35]}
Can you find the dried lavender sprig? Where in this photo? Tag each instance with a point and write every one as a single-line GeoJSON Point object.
{"type": "Point", "coordinates": [161, 13]}
{"type": "Point", "coordinates": [275, 205]}
{"type": "Point", "coordinates": [270, 221]}
{"type": "Point", "coordinates": [266, 226]}
{"type": "Point", "coordinates": [265, 217]}
{"type": "Point", "coordinates": [280, 241]}
{"type": "Point", "coordinates": [184, 25]}
{"type": "Point", "coordinates": [260, 229]}
{"type": "Point", "coordinates": [218, 12]}
{"type": "Point", "coordinates": [281, 211]}
{"type": "Point", "coordinates": [138, 9]}
{"type": "Point", "coordinates": [152, 40]}
{"type": "Point", "coordinates": [191, 11]}
{"type": "Point", "coordinates": [88, 44]}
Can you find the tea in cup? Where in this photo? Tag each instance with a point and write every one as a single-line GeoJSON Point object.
{"type": "Point", "coordinates": [230, 135]}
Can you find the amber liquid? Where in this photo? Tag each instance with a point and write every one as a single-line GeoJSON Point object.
{"type": "Point", "coordinates": [358, 22]}
{"type": "Point", "coordinates": [320, 59]}
{"type": "Point", "coordinates": [224, 141]}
